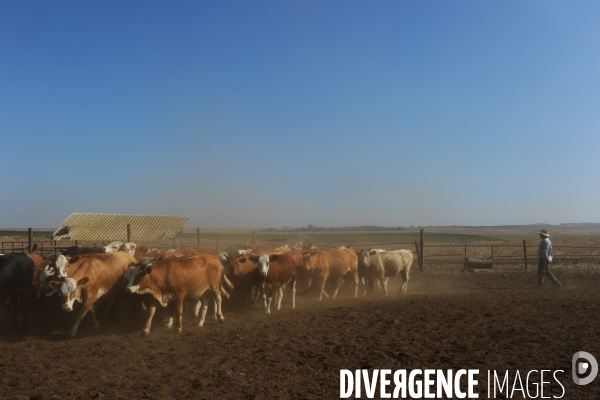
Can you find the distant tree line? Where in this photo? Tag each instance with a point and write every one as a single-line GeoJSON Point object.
{"type": "Point", "coordinates": [313, 228]}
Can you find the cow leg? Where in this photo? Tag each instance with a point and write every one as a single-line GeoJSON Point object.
{"type": "Point", "coordinates": [179, 301]}
{"type": "Point", "coordinates": [151, 311]}
{"type": "Point", "coordinates": [204, 300]}
{"type": "Point", "coordinates": [323, 281]}
{"type": "Point", "coordinates": [355, 278]}
{"type": "Point", "coordinates": [383, 283]}
{"type": "Point", "coordinates": [215, 310]}
{"type": "Point", "coordinates": [218, 306]}
{"type": "Point", "coordinates": [203, 315]}
{"type": "Point", "coordinates": [215, 287]}
{"type": "Point", "coordinates": [171, 309]}
{"type": "Point", "coordinates": [224, 292]}
{"type": "Point", "coordinates": [280, 298]}
{"type": "Point", "coordinates": [197, 308]}
{"type": "Point", "coordinates": [269, 299]}
{"type": "Point", "coordinates": [89, 303]}
{"type": "Point", "coordinates": [370, 285]}
{"type": "Point", "coordinates": [308, 285]}
{"type": "Point", "coordinates": [94, 320]}
{"type": "Point", "coordinates": [405, 276]}
{"type": "Point", "coordinates": [338, 285]}
{"type": "Point", "coordinates": [227, 281]}
{"type": "Point", "coordinates": [264, 296]}
{"type": "Point", "coordinates": [294, 294]}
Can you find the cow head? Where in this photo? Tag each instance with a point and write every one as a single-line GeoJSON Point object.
{"type": "Point", "coordinates": [61, 263]}
{"type": "Point", "coordinates": [309, 259]}
{"type": "Point", "coordinates": [263, 263]}
{"type": "Point", "coordinates": [134, 284]}
{"type": "Point", "coordinates": [70, 291]}
{"type": "Point", "coordinates": [131, 273]}
{"type": "Point", "coordinates": [240, 266]}
{"type": "Point", "coordinates": [113, 247]}
{"type": "Point", "coordinates": [130, 248]}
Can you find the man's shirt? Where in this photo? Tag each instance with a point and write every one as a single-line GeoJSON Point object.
{"type": "Point", "coordinates": [545, 249]}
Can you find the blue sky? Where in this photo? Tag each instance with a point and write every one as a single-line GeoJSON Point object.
{"type": "Point", "coordinates": [289, 113]}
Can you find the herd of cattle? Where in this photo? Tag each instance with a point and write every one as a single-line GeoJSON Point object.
{"type": "Point", "coordinates": [143, 279]}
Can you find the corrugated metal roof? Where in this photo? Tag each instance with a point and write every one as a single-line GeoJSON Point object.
{"type": "Point", "coordinates": [84, 226]}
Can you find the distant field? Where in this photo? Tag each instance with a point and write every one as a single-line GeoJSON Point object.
{"type": "Point", "coordinates": [338, 238]}
{"type": "Point", "coordinates": [434, 237]}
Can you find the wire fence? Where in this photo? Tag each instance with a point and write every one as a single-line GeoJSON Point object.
{"type": "Point", "coordinates": [427, 254]}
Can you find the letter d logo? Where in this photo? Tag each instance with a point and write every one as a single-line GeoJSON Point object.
{"type": "Point", "coordinates": [580, 368]}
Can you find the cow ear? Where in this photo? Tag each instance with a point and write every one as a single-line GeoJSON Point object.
{"type": "Point", "coordinates": [254, 259]}
{"type": "Point", "coordinates": [273, 258]}
{"type": "Point", "coordinates": [83, 281]}
{"type": "Point", "coordinates": [72, 260]}
{"type": "Point", "coordinates": [148, 270]}
{"type": "Point", "coordinates": [372, 252]}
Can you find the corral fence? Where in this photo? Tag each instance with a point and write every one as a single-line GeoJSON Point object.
{"type": "Point", "coordinates": [428, 255]}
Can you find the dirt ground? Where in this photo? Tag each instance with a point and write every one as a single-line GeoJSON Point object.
{"type": "Point", "coordinates": [489, 321]}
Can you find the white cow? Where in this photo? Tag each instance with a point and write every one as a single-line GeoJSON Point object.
{"type": "Point", "coordinates": [382, 265]}
{"type": "Point", "coordinates": [113, 247]}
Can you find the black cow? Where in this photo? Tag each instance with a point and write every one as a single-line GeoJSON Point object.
{"type": "Point", "coordinates": [77, 250]}
{"type": "Point", "coordinates": [16, 286]}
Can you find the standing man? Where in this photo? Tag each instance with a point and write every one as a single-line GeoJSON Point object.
{"type": "Point", "coordinates": [545, 253]}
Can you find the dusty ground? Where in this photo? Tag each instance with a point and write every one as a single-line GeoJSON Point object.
{"type": "Point", "coordinates": [491, 321]}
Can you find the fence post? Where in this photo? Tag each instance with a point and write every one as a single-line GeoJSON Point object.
{"type": "Point", "coordinates": [417, 249]}
{"type": "Point", "coordinates": [30, 234]}
{"type": "Point", "coordinates": [422, 257]}
{"type": "Point", "coordinates": [525, 253]}
{"type": "Point", "coordinates": [253, 238]}
{"type": "Point", "coordinates": [128, 233]}
{"type": "Point", "coordinates": [465, 252]}
{"type": "Point", "coordinates": [198, 234]}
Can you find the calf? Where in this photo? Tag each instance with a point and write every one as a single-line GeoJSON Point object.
{"type": "Point", "coordinates": [175, 280]}
{"type": "Point", "coordinates": [278, 270]}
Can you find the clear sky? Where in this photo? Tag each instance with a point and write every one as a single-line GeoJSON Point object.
{"type": "Point", "coordinates": [258, 114]}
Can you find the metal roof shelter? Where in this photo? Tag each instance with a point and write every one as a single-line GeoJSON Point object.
{"type": "Point", "coordinates": [85, 226]}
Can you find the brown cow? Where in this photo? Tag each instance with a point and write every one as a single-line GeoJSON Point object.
{"type": "Point", "coordinates": [279, 270]}
{"type": "Point", "coordinates": [146, 252]}
{"type": "Point", "coordinates": [38, 266]}
{"type": "Point", "coordinates": [178, 254]}
{"type": "Point", "coordinates": [177, 279]}
{"type": "Point", "coordinates": [332, 264]}
{"type": "Point", "coordinates": [191, 253]}
{"type": "Point", "coordinates": [244, 274]}
{"type": "Point", "coordinates": [88, 279]}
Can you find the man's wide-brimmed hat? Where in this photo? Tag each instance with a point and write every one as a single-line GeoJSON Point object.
{"type": "Point", "coordinates": [544, 232]}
